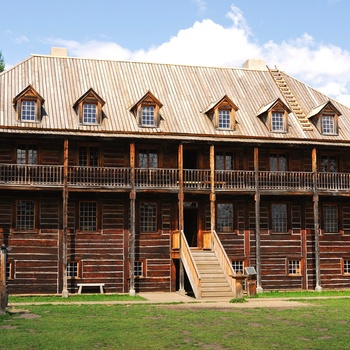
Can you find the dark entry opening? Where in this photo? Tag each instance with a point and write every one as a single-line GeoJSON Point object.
{"type": "Point", "coordinates": [191, 226]}
{"type": "Point", "coordinates": [190, 159]}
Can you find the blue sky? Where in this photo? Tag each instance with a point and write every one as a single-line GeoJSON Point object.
{"type": "Point", "coordinates": [309, 39]}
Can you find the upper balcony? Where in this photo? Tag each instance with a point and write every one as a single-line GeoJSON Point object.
{"type": "Point", "coordinates": [107, 178]}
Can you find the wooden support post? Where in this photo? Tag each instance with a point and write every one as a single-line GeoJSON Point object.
{"type": "Point", "coordinates": [212, 193]}
{"type": "Point", "coordinates": [181, 278]}
{"type": "Point", "coordinates": [65, 219]}
{"type": "Point", "coordinates": [132, 291]}
{"type": "Point", "coordinates": [212, 185]}
{"type": "Point", "coordinates": [318, 287]}
{"type": "Point", "coordinates": [3, 285]}
{"type": "Point", "coordinates": [259, 288]}
{"type": "Point", "coordinates": [181, 185]}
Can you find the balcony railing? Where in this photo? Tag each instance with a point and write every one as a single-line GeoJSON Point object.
{"type": "Point", "coordinates": [157, 178]}
{"type": "Point", "coordinates": [98, 177]}
{"type": "Point", "coordinates": [234, 179]}
{"type": "Point", "coordinates": [196, 179]}
{"type": "Point", "coordinates": [22, 174]}
{"type": "Point", "coordinates": [285, 180]}
{"type": "Point", "coordinates": [333, 181]}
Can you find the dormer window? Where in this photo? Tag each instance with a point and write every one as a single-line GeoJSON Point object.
{"type": "Point", "coordinates": [28, 111]}
{"type": "Point", "coordinates": [28, 105]}
{"type": "Point", "coordinates": [275, 116]}
{"type": "Point", "coordinates": [328, 124]}
{"type": "Point", "coordinates": [325, 117]}
{"type": "Point", "coordinates": [89, 108]}
{"type": "Point", "coordinates": [146, 111]}
{"type": "Point", "coordinates": [147, 116]}
{"type": "Point", "coordinates": [277, 122]}
{"type": "Point", "coordinates": [222, 114]}
{"type": "Point", "coordinates": [90, 113]}
{"type": "Point", "coordinates": [224, 121]}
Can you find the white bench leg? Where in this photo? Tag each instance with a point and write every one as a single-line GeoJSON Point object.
{"type": "Point", "coordinates": [79, 290]}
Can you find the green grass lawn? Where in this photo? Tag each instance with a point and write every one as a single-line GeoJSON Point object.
{"type": "Point", "coordinates": [322, 324]}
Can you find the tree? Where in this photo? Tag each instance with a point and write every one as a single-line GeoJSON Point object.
{"type": "Point", "coordinates": [2, 62]}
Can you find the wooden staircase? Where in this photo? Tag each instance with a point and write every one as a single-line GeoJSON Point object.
{"type": "Point", "coordinates": [291, 100]}
{"type": "Point", "coordinates": [214, 283]}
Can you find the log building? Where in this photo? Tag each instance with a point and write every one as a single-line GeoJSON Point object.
{"type": "Point", "coordinates": [163, 177]}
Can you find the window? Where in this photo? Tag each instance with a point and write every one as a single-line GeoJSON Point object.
{"type": "Point", "coordinates": [25, 215]}
{"type": "Point", "coordinates": [138, 269]}
{"type": "Point", "coordinates": [88, 216]}
{"type": "Point", "coordinates": [330, 218]}
{"type": "Point", "coordinates": [89, 108]}
{"type": "Point", "coordinates": [222, 113]}
{"type": "Point", "coordinates": [147, 116]}
{"type": "Point", "coordinates": [9, 270]}
{"type": "Point", "coordinates": [146, 111]}
{"type": "Point", "coordinates": [328, 125]}
{"type": "Point", "coordinates": [89, 113]}
{"type": "Point", "coordinates": [73, 269]}
{"type": "Point", "coordinates": [279, 217]}
{"type": "Point", "coordinates": [224, 217]}
{"type": "Point", "coordinates": [224, 119]}
{"type": "Point", "coordinates": [27, 154]}
{"type": "Point", "coordinates": [329, 164]}
{"type": "Point", "coordinates": [278, 162]}
{"type": "Point", "coordinates": [294, 267]}
{"type": "Point", "coordinates": [275, 116]}
{"type": "Point", "coordinates": [238, 266]}
{"type": "Point", "coordinates": [148, 158]}
{"type": "Point", "coordinates": [148, 217]}
{"type": "Point", "coordinates": [224, 161]}
{"type": "Point", "coordinates": [88, 156]}
{"type": "Point", "coordinates": [346, 267]}
{"type": "Point", "coordinates": [28, 113]}
{"type": "Point", "coordinates": [28, 104]}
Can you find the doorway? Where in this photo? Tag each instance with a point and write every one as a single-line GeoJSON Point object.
{"type": "Point", "coordinates": [190, 159]}
{"type": "Point", "coordinates": [191, 223]}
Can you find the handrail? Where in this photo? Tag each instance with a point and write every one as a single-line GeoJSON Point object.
{"type": "Point", "coordinates": [190, 266]}
{"type": "Point", "coordinates": [224, 261]}
{"type": "Point", "coordinates": [156, 177]}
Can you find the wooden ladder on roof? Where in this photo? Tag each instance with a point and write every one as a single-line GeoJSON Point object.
{"type": "Point", "coordinates": [291, 100]}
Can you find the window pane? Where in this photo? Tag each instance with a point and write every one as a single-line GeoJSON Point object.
{"type": "Point", "coordinates": [72, 269]}
{"type": "Point", "coordinates": [347, 266]}
{"type": "Point", "coordinates": [21, 154]}
{"type": "Point", "coordinates": [147, 117]}
{"type": "Point", "coordinates": [25, 215]}
{"type": "Point", "coordinates": [279, 217]}
{"type": "Point", "coordinates": [330, 218]}
{"type": "Point", "coordinates": [278, 162]}
{"type": "Point", "coordinates": [294, 267]}
{"type": "Point", "coordinates": [329, 164]}
{"type": "Point", "coordinates": [28, 111]}
{"type": "Point", "coordinates": [138, 269]}
{"type": "Point", "coordinates": [238, 266]}
{"type": "Point", "coordinates": [224, 161]}
{"type": "Point", "coordinates": [224, 119]}
{"type": "Point", "coordinates": [93, 156]}
{"type": "Point", "coordinates": [328, 124]}
{"type": "Point", "coordinates": [88, 216]}
{"type": "Point", "coordinates": [277, 122]}
{"type": "Point", "coordinates": [148, 217]}
{"type": "Point", "coordinates": [90, 113]}
{"type": "Point", "coordinates": [225, 217]}
{"type": "Point", "coordinates": [153, 158]}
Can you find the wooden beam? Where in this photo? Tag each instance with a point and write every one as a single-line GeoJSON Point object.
{"type": "Point", "coordinates": [132, 221]}
{"type": "Point", "coordinates": [3, 290]}
{"type": "Point", "coordinates": [259, 288]}
{"type": "Point", "coordinates": [181, 185]}
{"type": "Point", "coordinates": [318, 287]}
{"type": "Point", "coordinates": [65, 219]}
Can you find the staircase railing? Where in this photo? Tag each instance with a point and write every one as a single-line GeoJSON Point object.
{"type": "Point", "coordinates": [190, 266]}
{"type": "Point", "coordinates": [224, 261]}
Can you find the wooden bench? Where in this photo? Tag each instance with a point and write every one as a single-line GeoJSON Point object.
{"type": "Point", "coordinates": [81, 285]}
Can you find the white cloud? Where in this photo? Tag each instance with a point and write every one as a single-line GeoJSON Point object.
{"type": "Point", "coordinates": [18, 39]}
{"type": "Point", "coordinates": [323, 66]}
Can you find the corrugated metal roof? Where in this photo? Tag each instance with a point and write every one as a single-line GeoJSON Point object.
{"type": "Point", "coordinates": [184, 91]}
